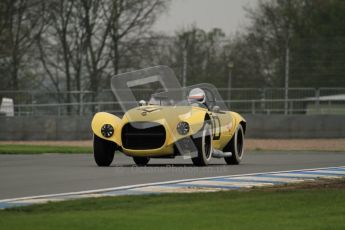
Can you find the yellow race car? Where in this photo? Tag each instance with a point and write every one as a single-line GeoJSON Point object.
{"type": "Point", "coordinates": [161, 120]}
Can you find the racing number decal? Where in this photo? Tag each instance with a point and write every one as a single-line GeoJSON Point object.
{"type": "Point", "coordinates": [216, 127]}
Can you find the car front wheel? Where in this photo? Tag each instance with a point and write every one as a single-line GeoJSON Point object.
{"type": "Point", "coordinates": [103, 151]}
{"type": "Point", "coordinates": [236, 147]}
{"type": "Point", "coordinates": [141, 161]}
{"type": "Point", "coordinates": [203, 143]}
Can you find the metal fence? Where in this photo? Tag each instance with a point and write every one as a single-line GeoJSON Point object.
{"type": "Point", "coordinates": [242, 100]}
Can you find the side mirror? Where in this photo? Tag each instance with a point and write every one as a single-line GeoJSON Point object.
{"type": "Point", "coordinates": [216, 109]}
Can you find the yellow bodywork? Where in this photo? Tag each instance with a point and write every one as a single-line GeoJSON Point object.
{"type": "Point", "coordinates": [169, 117]}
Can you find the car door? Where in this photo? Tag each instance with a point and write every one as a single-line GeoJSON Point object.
{"type": "Point", "coordinates": [221, 125]}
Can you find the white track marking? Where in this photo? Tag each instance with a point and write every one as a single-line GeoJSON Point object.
{"type": "Point", "coordinates": [167, 186]}
{"type": "Point", "coordinates": [340, 173]}
{"type": "Point", "coordinates": [223, 183]}
{"type": "Point", "coordinates": [302, 175]}
{"type": "Point", "coordinates": [271, 179]}
{"type": "Point", "coordinates": [167, 189]}
{"type": "Point", "coordinates": [158, 183]}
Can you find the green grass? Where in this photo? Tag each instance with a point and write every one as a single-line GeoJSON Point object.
{"type": "Point", "coordinates": [39, 149]}
{"type": "Point", "coordinates": [320, 208]}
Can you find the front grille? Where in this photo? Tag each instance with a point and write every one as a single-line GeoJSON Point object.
{"type": "Point", "coordinates": [143, 135]}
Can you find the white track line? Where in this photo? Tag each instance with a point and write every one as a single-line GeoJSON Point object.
{"type": "Point", "coordinates": [167, 189]}
{"type": "Point", "coordinates": [270, 179]}
{"type": "Point", "coordinates": [153, 184]}
{"type": "Point", "coordinates": [302, 175]}
{"type": "Point", "coordinates": [224, 183]}
{"type": "Point", "coordinates": [340, 173]}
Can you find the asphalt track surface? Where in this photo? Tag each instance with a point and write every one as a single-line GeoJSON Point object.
{"type": "Point", "coordinates": [31, 175]}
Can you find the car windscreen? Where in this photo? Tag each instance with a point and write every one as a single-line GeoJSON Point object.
{"type": "Point", "coordinates": [130, 88]}
{"type": "Point", "coordinates": [158, 86]}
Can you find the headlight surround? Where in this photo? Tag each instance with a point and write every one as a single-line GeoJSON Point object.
{"type": "Point", "coordinates": [183, 128]}
{"type": "Point", "coordinates": [107, 130]}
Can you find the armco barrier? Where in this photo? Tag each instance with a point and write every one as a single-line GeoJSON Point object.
{"type": "Point", "coordinates": [45, 128]}
{"type": "Point", "coordinates": [259, 126]}
{"type": "Point", "coordinates": [296, 126]}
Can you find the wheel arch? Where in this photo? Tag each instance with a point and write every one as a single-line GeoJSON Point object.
{"type": "Point", "coordinates": [244, 126]}
{"type": "Point", "coordinates": [196, 120]}
{"type": "Point", "coordinates": [238, 120]}
{"type": "Point", "coordinates": [103, 118]}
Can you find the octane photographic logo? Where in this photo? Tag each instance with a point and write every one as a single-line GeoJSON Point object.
{"type": "Point", "coordinates": [141, 95]}
{"type": "Point", "coordinates": [176, 169]}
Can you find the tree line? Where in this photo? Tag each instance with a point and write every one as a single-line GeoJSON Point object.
{"type": "Point", "coordinates": [311, 30]}
{"type": "Point", "coordinates": [67, 45]}
{"type": "Point", "coordinates": [78, 45]}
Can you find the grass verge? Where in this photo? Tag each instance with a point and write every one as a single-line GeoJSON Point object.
{"type": "Point", "coordinates": [40, 149]}
{"type": "Point", "coordinates": [308, 207]}
{"type": "Point", "coordinates": [69, 149]}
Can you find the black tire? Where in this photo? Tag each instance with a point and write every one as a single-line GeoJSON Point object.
{"type": "Point", "coordinates": [141, 161]}
{"type": "Point", "coordinates": [203, 143]}
{"type": "Point", "coordinates": [103, 151]}
{"type": "Point", "coordinates": [236, 147]}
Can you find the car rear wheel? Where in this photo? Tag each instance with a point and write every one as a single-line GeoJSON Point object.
{"type": "Point", "coordinates": [141, 161]}
{"type": "Point", "coordinates": [236, 147]}
{"type": "Point", "coordinates": [203, 143]}
{"type": "Point", "coordinates": [103, 151]}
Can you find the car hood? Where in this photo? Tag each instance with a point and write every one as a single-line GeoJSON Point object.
{"type": "Point", "coordinates": [169, 116]}
{"type": "Point", "coordinates": [156, 113]}
{"type": "Point", "coordinates": [165, 114]}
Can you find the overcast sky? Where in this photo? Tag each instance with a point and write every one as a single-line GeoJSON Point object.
{"type": "Point", "coordinates": [206, 14]}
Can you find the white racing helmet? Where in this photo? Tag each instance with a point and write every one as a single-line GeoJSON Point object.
{"type": "Point", "coordinates": [197, 95]}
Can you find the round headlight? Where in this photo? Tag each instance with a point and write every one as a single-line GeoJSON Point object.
{"type": "Point", "coordinates": [183, 128]}
{"type": "Point", "coordinates": [107, 130]}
